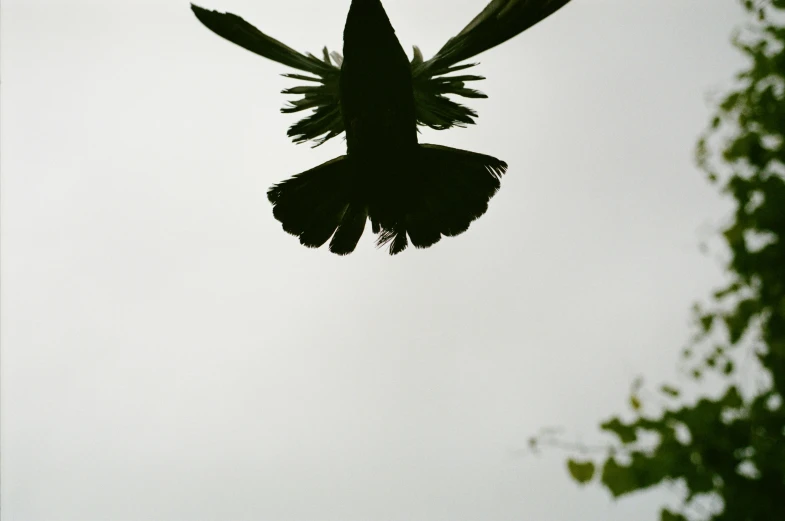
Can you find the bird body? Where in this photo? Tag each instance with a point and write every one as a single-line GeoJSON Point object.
{"type": "Point", "coordinates": [376, 94]}
{"type": "Point", "coordinates": [409, 191]}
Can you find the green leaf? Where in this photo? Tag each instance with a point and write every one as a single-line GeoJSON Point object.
{"type": "Point", "coordinates": [625, 433]}
{"type": "Point", "coordinates": [670, 391]}
{"type": "Point", "coordinates": [620, 480]}
{"type": "Point", "coordinates": [706, 322]}
{"type": "Point", "coordinates": [730, 102]}
{"type": "Point", "coordinates": [724, 292]}
{"type": "Point", "coordinates": [582, 472]}
{"type": "Point", "coordinates": [732, 399]}
{"type": "Point", "coordinates": [667, 515]}
{"type": "Point", "coordinates": [739, 320]}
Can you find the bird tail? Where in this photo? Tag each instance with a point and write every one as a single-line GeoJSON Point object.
{"type": "Point", "coordinates": [441, 193]}
{"type": "Point", "coordinates": [320, 203]}
{"type": "Point", "coordinates": [436, 191]}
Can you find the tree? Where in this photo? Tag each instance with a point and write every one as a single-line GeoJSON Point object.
{"type": "Point", "coordinates": [727, 449]}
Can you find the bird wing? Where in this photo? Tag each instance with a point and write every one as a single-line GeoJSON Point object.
{"type": "Point", "coordinates": [321, 94]}
{"type": "Point", "coordinates": [497, 23]}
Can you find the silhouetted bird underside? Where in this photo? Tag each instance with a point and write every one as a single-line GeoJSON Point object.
{"type": "Point", "coordinates": [377, 96]}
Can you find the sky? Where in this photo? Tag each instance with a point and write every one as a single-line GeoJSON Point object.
{"type": "Point", "coordinates": [169, 353]}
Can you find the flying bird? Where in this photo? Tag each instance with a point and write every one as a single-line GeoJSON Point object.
{"type": "Point", "coordinates": [378, 96]}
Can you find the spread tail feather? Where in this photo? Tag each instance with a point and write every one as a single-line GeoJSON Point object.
{"type": "Point", "coordinates": [320, 203]}
{"type": "Point", "coordinates": [445, 190]}
{"type": "Point", "coordinates": [435, 191]}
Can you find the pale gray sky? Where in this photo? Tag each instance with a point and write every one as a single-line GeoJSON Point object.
{"type": "Point", "coordinates": [169, 353]}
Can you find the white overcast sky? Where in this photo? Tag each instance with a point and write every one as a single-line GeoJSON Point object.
{"type": "Point", "coordinates": [169, 353]}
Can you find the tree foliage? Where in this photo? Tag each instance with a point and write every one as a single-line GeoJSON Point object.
{"type": "Point", "coordinates": [726, 450]}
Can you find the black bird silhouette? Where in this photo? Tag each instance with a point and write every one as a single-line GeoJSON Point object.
{"type": "Point", "coordinates": [378, 96]}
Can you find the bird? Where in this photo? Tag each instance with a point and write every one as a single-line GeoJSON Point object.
{"type": "Point", "coordinates": [378, 97]}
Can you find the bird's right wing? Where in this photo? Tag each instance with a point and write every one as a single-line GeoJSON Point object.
{"type": "Point", "coordinates": [321, 94]}
{"type": "Point", "coordinates": [497, 23]}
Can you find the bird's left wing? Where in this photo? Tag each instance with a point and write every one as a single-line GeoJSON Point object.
{"type": "Point", "coordinates": [497, 23]}
{"type": "Point", "coordinates": [321, 94]}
